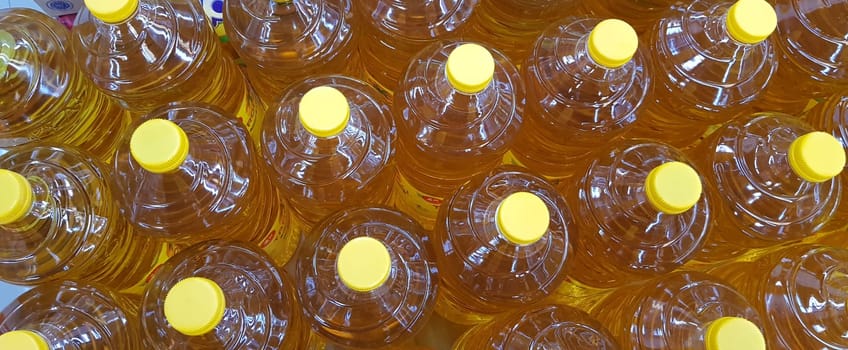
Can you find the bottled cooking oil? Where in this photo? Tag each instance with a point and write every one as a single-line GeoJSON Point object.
{"type": "Point", "coordinates": [59, 220]}
{"type": "Point", "coordinates": [457, 111]}
{"type": "Point", "coordinates": [586, 82]}
{"type": "Point", "coordinates": [711, 61]}
{"type": "Point", "coordinates": [537, 328]}
{"type": "Point", "coordinates": [187, 173]}
{"type": "Point", "coordinates": [284, 41]}
{"type": "Point", "coordinates": [70, 315]}
{"type": "Point", "coordinates": [504, 238]}
{"type": "Point", "coordinates": [331, 141]}
{"type": "Point", "coordinates": [682, 310]}
{"type": "Point", "coordinates": [148, 53]}
{"type": "Point", "coordinates": [642, 212]}
{"type": "Point", "coordinates": [804, 287]}
{"type": "Point", "coordinates": [393, 31]}
{"type": "Point", "coordinates": [831, 116]}
{"type": "Point", "coordinates": [643, 15]}
{"type": "Point", "coordinates": [513, 25]}
{"type": "Point", "coordinates": [44, 97]}
{"type": "Point", "coordinates": [778, 180]}
{"type": "Point", "coordinates": [367, 278]}
{"type": "Point", "coordinates": [222, 295]}
{"type": "Point", "coordinates": [810, 44]}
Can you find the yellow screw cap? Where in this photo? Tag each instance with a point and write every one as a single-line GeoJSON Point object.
{"type": "Point", "coordinates": [523, 218]}
{"type": "Point", "coordinates": [751, 21]}
{"type": "Point", "coordinates": [112, 11]}
{"type": "Point", "coordinates": [364, 264]}
{"type": "Point", "coordinates": [324, 111]}
{"type": "Point", "coordinates": [734, 333]}
{"type": "Point", "coordinates": [23, 340]}
{"type": "Point", "coordinates": [470, 68]}
{"type": "Point", "coordinates": [612, 43]}
{"type": "Point", "coordinates": [195, 306]}
{"type": "Point", "coordinates": [15, 196]}
{"type": "Point", "coordinates": [159, 146]}
{"type": "Point", "coordinates": [673, 187]}
{"type": "Point", "coordinates": [816, 156]}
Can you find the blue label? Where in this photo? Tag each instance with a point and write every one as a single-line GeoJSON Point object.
{"type": "Point", "coordinates": [59, 5]}
{"type": "Point", "coordinates": [214, 10]}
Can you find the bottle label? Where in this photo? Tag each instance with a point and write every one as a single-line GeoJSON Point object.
{"type": "Point", "coordinates": [509, 158]}
{"type": "Point", "coordinates": [168, 250]}
{"type": "Point", "coordinates": [281, 240]}
{"type": "Point", "coordinates": [248, 115]}
{"type": "Point", "coordinates": [410, 200]}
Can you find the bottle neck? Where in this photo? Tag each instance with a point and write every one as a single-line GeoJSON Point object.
{"type": "Point", "coordinates": [39, 214]}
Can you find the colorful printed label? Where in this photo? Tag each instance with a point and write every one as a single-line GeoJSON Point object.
{"type": "Point", "coordinates": [250, 114]}
{"type": "Point", "coordinates": [281, 241]}
{"type": "Point", "coordinates": [168, 250]}
{"type": "Point", "coordinates": [410, 200]}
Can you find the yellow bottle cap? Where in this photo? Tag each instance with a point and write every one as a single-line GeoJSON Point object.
{"type": "Point", "coordinates": [195, 306]}
{"type": "Point", "coordinates": [673, 187]}
{"type": "Point", "coordinates": [364, 264]}
{"type": "Point", "coordinates": [751, 21]}
{"type": "Point", "coordinates": [15, 196]}
{"type": "Point", "coordinates": [112, 11]}
{"type": "Point", "coordinates": [470, 68]}
{"type": "Point", "coordinates": [159, 146]}
{"type": "Point", "coordinates": [612, 43]}
{"type": "Point", "coordinates": [523, 218]}
{"type": "Point", "coordinates": [816, 156]}
{"type": "Point", "coordinates": [23, 340]}
{"type": "Point", "coordinates": [324, 111]}
{"type": "Point", "coordinates": [734, 333]}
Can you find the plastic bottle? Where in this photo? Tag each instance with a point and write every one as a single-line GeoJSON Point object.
{"type": "Point", "coordinates": [586, 82]}
{"type": "Point", "coordinates": [802, 288]}
{"type": "Point", "coordinates": [331, 141]}
{"type": "Point", "coordinates": [394, 31]}
{"type": "Point", "coordinates": [457, 110]}
{"type": "Point", "coordinates": [285, 41]}
{"type": "Point", "coordinates": [58, 220]}
{"type": "Point", "coordinates": [505, 240]}
{"type": "Point", "coordinates": [148, 53]}
{"type": "Point", "coordinates": [643, 15]}
{"type": "Point", "coordinates": [810, 45]}
{"type": "Point", "coordinates": [711, 60]}
{"type": "Point", "coordinates": [682, 310]}
{"type": "Point", "coordinates": [43, 96]}
{"type": "Point", "coordinates": [540, 327]}
{"type": "Point", "coordinates": [70, 315]}
{"type": "Point", "coordinates": [642, 213]}
{"type": "Point", "coordinates": [367, 278]}
{"type": "Point", "coordinates": [514, 25]}
{"type": "Point", "coordinates": [222, 295]}
{"type": "Point", "coordinates": [187, 173]}
{"type": "Point", "coordinates": [777, 178]}
{"type": "Point", "coordinates": [831, 116]}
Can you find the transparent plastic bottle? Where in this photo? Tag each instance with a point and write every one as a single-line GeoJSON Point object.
{"type": "Point", "coordinates": [682, 310]}
{"type": "Point", "coordinates": [148, 53]}
{"type": "Point", "coordinates": [393, 31]}
{"type": "Point", "coordinates": [831, 116]}
{"type": "Point", "coordinates": [643, 15]}
{"type": "Point", "coordinates": [457, 111]}
{"type": "Point", "coordinates": [586, 82]}
{"type": "Point", "coordinates": [514, 25]}
{"type": "Point", "coordinates": [368, 278]}
{"type": "Point", "coordinates": [222, 295]}
{"type": "Point", "coordinates": [44, 97]}
{"type": "Point", "coordinates": [70, 315]}
{"type": "Point", "coordinates": [810, 45]}
{"type": "Point", "coordinates": [642, 213]}
{"type": "Point", "coordinates": [59, 220]}
{"type": "Point", "coordinates": [187, 173]}
{"type": "Point", "coordinates": [803, 289]}
{"type": "Point", "coordinates": [778, 180]}
{"type": "Point", "coordinates": [331, 141]}
{"type": "Point", "coordinates": [284, 41]}
{"type": "Point", "coordinates": [505, 238]}
{"type": "Point", "coordinates": [537, 328]}
{"type": "Point", "coordinates": [711, 60]}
